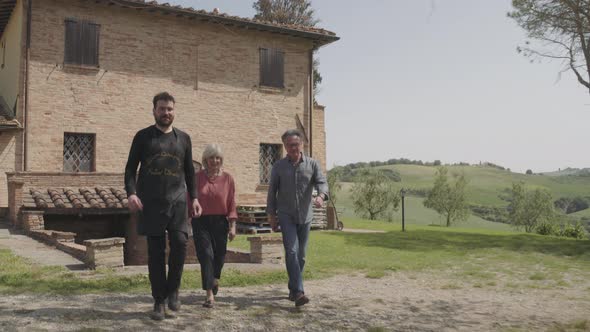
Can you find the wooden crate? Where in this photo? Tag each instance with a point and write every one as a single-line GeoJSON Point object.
{"type": "Point", "coordinates": [252, 229]}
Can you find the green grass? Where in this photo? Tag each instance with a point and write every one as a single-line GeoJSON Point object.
{"type": "Point", "coordinates": [18, 275]}
{"type": "Point", "coordinates": [417, 215]}
{"type": "Point", "coordinates": [467, 257]}
{"type": "Point", "coordinates": [582, 325]}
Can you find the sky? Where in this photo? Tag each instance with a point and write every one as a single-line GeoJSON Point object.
{"type": "Point", "coordinates": [440, 80]}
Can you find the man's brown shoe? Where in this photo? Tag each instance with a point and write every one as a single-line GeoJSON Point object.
{"type": "Point", "coordinates": [301, 299]}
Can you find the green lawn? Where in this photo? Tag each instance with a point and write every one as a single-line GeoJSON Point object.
{"type": "Point", "coordinates": [486, 258]}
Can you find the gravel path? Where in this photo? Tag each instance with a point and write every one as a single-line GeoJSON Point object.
{"type": "Point", "coordinates": [398, 302]}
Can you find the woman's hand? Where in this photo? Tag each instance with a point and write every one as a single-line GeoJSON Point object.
{"type": "Point", "coordinates": [232, 230]}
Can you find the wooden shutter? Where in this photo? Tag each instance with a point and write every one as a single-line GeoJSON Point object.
{"type": "Point", "coordinates": [72, 42]}
{"type": "Point", "coordinates": [271, 68]}
{"type": "Point", "coordinates": [81, 43]}
{"type": "Point", "coordinates": [89, 45]}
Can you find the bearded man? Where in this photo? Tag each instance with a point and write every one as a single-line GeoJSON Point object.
{"type": "Point", "coordinates": [158, 196]}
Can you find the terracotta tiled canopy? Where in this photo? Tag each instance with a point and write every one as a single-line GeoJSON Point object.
{"type": "Point", "coordinates": [76, 198]}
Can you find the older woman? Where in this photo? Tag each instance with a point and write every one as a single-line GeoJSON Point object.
{"type": "Point", "coordinates": [216, 191]}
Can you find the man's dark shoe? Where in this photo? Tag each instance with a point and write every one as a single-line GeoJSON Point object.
{"type": "Point", "coordinates": [293, 295]}
{"type": "Point", "coordinates": [159, 311]}
{"type": "Point", "coordinates": [173, 301]}
{"type": "Point", "coordinates": [301, 299]}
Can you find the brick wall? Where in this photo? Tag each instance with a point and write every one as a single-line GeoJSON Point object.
{"type": "Point", "coordinates": [319, 136]}
{"type": "Point", "coordinates": [88, 227]}
{"type": "Point", "coordinates": [213, 72]}
{"type": "Point", "coordinates": [7, 162]}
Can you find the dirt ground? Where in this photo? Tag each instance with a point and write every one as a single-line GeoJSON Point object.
{"type": "Point", "coordinates": [397, 302]}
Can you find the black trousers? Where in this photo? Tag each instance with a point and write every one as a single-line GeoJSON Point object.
{"type": "Point", "coordinates": [210, 235]}
{"type": "Point", "coordinates": [162, 286]}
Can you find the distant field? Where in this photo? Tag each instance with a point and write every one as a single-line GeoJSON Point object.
{"type": "Point", "coordinates": [485, 186]}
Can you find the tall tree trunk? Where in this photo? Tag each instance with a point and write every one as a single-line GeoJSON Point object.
{"type": "Point", "coordinates": [449, 220]}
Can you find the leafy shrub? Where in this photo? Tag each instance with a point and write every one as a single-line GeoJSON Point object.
{"type": "Point", "coordinates": [547, 228]}
{"type": "Point", "coordinates": [417, 192]}
{"type": "Point", "coordinates": [347, 174]}
{"type": "Point", "coordinates": [571, 205]}
{"type": "Point", "coordinates": [573, 230]}
{"type": "Point", "coordinates": [490, 213]}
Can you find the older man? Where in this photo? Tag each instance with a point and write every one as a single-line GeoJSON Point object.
{"type": "Point", "coordinates": [159, 197]}
{"type": "Point", "coordinates": [289, 200]}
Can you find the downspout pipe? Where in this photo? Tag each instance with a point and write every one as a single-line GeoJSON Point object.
{"type": "Point", "coordinates": [311, 102]}
{"type": "Point", "coordinates": [25, 163]}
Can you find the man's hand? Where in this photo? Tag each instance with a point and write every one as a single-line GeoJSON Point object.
{"type": "Point", "coordinates": [134, 203]}
{"type": "Point", "coordinates": [232, 230]}
{"type": "Point", "coordinates": [318, 201]}
{"type": "Point", "coordinates": [197, 210]}
{"type": "Point", "coordinates": [272, 220]}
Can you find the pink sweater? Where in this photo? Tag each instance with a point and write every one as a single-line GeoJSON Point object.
{"type": "Point", "coordinates": [217, 197]}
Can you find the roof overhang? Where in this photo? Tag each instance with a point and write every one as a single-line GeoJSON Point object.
{"type": "Point", "coordinates": [6, 8]}
{"type": "Point", "coordinates": [318, 36]}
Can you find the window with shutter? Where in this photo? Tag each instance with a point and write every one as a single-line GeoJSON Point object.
{"type": "Point", "coordinates": [272, 68]}
{"type": "Point", "coordinates": [81, 43]}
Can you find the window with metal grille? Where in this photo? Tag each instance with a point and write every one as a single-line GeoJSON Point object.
{"type": "Point", "coordinates": [269, 154]}
{"type": "Point", "coordinates": [81, 43]}
{"type": "Point", "coordinates": [272, 68]}
{"type": "Point", "coordinates": [78, 152]}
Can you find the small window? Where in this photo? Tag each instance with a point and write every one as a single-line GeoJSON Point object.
{"type": "Point", "coordinates": [79, 152]}
{"type": "Point", "coordinates": [81, 43]}
{"type": "Point", "coordinates": [272, 68]}
{"type": "Point", "coordinates": [269, 154]}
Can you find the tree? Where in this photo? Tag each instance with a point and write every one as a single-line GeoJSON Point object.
{"type": "Point", "coordinates": [448, 199]}
{"type": "Point", "coordinates": [563, 29]}
{"type": "Point", "coordinates": [374, 195]}
{"type": "Point", "coordinates": [297, 12]}
{"type": "Point", "coordinates": [529, 172]}
{"type": "Point", "coordinates": [334, 185]}
{"type": "Point", "coordinates": [529, 209]}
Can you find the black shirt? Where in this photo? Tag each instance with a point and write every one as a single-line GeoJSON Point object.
{"type": "Point", "coordinates": [165, 174]}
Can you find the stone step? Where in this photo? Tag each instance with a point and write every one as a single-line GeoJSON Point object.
{"type": "Point", "coordinates": [4, 232]}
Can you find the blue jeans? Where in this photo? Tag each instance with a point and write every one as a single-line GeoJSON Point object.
{"type": "Point", "coordinates": [295, 242]}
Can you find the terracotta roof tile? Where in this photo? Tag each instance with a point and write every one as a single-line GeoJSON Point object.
{"type": "Point", "coordinates": [76, 198]}
{"type": "Point", "coordinates": [322, 35]}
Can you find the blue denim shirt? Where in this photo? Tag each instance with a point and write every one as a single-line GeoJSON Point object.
{"type": "Point", "coordinates": [291, 187]}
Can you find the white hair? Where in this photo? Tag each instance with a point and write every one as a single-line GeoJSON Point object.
{"type": "Point", "coordinates": [211, 151]}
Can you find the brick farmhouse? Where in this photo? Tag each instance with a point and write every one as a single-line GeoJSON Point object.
{"type": "Point", "coordinates": [76, 82]}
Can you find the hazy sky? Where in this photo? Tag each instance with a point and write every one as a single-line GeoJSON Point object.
{"type": "Point", "coordinates": [440, 79]}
